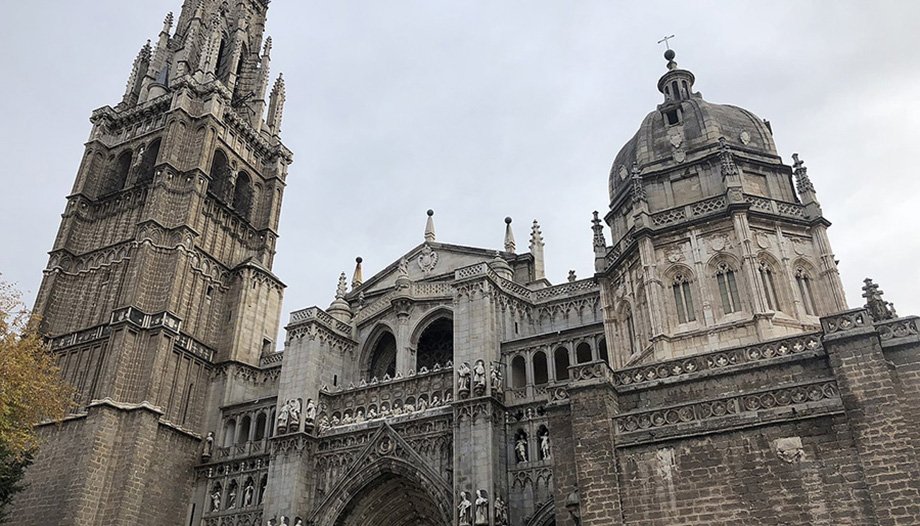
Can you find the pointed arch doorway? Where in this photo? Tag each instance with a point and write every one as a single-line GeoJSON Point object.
{"type": "Point", "coordinates": [391, 500]}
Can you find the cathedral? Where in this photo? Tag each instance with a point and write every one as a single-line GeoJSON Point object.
{"type": "Point", "coordinates": [710, 372]}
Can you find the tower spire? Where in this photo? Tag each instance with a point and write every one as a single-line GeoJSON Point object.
{"type": "Point", "coordinates": [276, 106]}
{"type": "Point", "coordinates": [141, 64]}
{"type": "Point", "coordinates": [536, 249]}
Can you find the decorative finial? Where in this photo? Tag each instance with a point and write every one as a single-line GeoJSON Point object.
{"type": "Point", "coordinates": [572, 276]}
{"type": "Point", "coordinates": [268, 47]}
{"type": "Point", "coordinates": [509, 236]}
{"type": "Point", "coordinates": [357, 280]}
{"type": "Point", "coordinates": [802, 181]}
{"type": "Point", "coordinates": [168, 22]}
{"type": "Point", "coordinates": [536, 235]}
{"type": "Point", "coordinates": [878, 308]}
{"type": "Point", "coordinates": [669, 53]}
{"type": "Point", "coordinates": [429, 227]}
{"type": "Point", "coordinates": [728, 160]}
{"type": "Point", "coordinates": [638, 190]}
{"type": "Point", "coordinates": [598, 228]}
{"type": "Point", "coordinates": [342, 287]}
{"type": "Point", "coordinates": [536, 248]}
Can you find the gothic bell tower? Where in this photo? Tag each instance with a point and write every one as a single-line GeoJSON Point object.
{"type": "Point", "coordinates": [161, 269]}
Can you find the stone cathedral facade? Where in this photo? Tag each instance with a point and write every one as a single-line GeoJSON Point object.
{"type": "Point", "coordinates": [709, 372]}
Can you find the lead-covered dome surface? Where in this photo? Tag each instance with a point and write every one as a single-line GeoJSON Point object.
{"type": "Point", "coordinates": [686, 127]}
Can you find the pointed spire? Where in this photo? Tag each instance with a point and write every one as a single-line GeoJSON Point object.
{"type": "Point", "coordinates": [267, 49]}
{"type": "Point", "coordinates": [339, 309]}
{"type": "Point", "coordinates": [168, 23]}
{"type": "Point", "coordinates": [356, 279]}
{"type": "Point", "coordinates": [878, 308]}
{"type": "Point", "coordinates": [729, 170]}
{"type": "Point", "coordinates": [638, 190]}
{"type": "Point", "coordinates": [536, 249]}
{"type": "Point", "coordinates": [802, 181]}
{"type": "Point", "coordinates": [276, 106]}
{"type": "Point", "coordinates": [342, 287]}
{"type": "Point", "coordinates": [597, 226]}
{"type": "Point", "coordinates": [429, 227]}
{"type": "Point", "coordinates": [141, 63]}
{"type": "Point", "coordinates": [509, 236]}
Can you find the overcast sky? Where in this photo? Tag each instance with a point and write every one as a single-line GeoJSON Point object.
{"type": "Point", "coordinates": [487, 109]}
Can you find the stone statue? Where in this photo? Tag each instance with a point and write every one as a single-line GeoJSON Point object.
{"type": "Point", "coordinates": [435, 401]}
{"type": "Point", "coordinates": [403, 268]}
{"type": "Point", "coordinates": [479, 376]}
{"type": "Point", "coordinates": [359, 416]}
{"type": "Point", "coordinates": [262, 490]}
{"type": "Point", "coordinates": [283, 415]}
{"type": "Point", "coordinates": [231, 498]}
{"type": "Point", "coordinates": [309, 414]}
{"type": "Point", "coordinates": [371, 414]}
{"type": "Point", "coordinates": [215, 499]}
{"type": "Point", "coordinates": [482, 508]}
{"type": "Point", "coordinates": [496, 377]}
{"type": "Point", "coordinates": [208, 446]}
{"type": "Point", "coordinates": [463, 378]}
{"type": "Point", "coordinates": [520, 449]}
{"type": "Point", "coordinates": [295, 407]}
{"type": "Point", "coordinates": [298, 522]}
{"type": "Point", "coordinates": [544, 445]}
{"type": "Point", "coordinates": [464, 509]}
{"type": "Point", "coordinates": [501, 512]}
{"type": "Point", "coordinates": [422, 404]}
{"type": "Point", "coordinates": [335, 421]}
{"type": "Point", "coordinates": [248, 492]}
{"type": "Point", "coordinates": [271, 522]}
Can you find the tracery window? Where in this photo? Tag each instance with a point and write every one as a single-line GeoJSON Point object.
{"type": "Point", "coordinates": [683, 298]}
{"type": "Point", "coordinates": [769, 287]}
{"type": "Point", "coordinates": [728, 289]}
{"type": "Point", "coordinates": [804, 283]}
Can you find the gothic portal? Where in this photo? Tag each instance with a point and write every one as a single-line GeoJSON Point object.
{"type": "Point", "coordinates": [710, 371]}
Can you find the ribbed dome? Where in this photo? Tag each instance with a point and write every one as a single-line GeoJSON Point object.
{"type": "Point", "coordinates": [686, 127]}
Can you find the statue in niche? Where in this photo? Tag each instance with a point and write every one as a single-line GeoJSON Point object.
{"type": "Point", "coordinates": [463, 378]}
{"type": "Point", "coordinates": [283, 415]}
{"type": "Point", "coordinates": [359, 416]}
{"type": "Point", "coordinates": [422, 404]}
{"type": "Point", "coordinates": [435, 401]}
{"type": "Point", "coordinates": [298, 522]}
{"type": "Point", "coordinates": [545, 448]}
{"type": "Point", "coordinates": [262, 487]}
{"type": "Point", "coordinates": [496, 376]}
{"type": "Point", "coordinates": [208, 446]}
{"type": "Point", "coordinates": [479, 376]}
{"type": "Point", "coordinates": [464, 509]}
{"type": "Point", "coordinates": [482, 508]}
{"type": "Point", "coordinates": [248, 492]}
{"type": "Point", "coordinates": [294, 410]}
{"type": "Point", "coordinates": [403, 268]}
{"type": "Point", "coordinates": [271, 522]}
{"type": "Point", "coordinates": [215, 499]}
{"type": "Point", "coordinates": [231, 497]}
{"type": "Point", "coordinates": [335, 421]}
{"type": "Point", "coordinates": [501, 512]}
{"type": "Point", "coordinates": [371, 414]}
{"type": "Point", "coordinates": [520, 448]}
{"type": "Point", "coordinates": [309, 414]}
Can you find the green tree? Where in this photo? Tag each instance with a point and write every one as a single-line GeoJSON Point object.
{"type": "Point", "coordinates": [31, 390]}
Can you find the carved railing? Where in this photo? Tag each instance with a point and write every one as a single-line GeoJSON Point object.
{"type": "Point", "coordinates": [751, 402]}
{"type": "Point", "coordinates": [772, 206]}
{"type": "Point", "coordinates": [637, 376]}
{"type": "Point", "coordinates": [897, 328]}
{"type": "Point", "coordinates": [318, 314]}
{"type": "Point", "coordinates": [432, 290]}
{"type": "Point", "coordinates": [234, 518]}
{"type": "Point", "coordinates": [389, 397]}
{"type": "Point", "coordinates": [566, 289]}
{"type": "Point", "coordinates": [271, 358]}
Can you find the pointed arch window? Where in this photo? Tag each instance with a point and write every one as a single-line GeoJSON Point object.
{"type": "Point", "coordinates": [518, 372]}
{"type": "Point", "coordinates": [561, 363]}
{"type": "Point", "coordinates": [220, 176]}
{"type": "Point", "coordinates": [683, 298]}
{"type": "Point", "coordinates": [804, 283]}
{"type": "Point", "coordinates": [728, 289]}
{"type": "Point", "coordinates": [148, 161]}
{"type": "Point", "coordinates": [540, 368]}
{"type": "Point", "coordinates": [242, 195]}
{"type": "Point", "coordinates": [769, 285]}
{"type": "Point", "coordinates": [118, 173]}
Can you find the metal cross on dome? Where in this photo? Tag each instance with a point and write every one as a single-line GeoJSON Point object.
{"type": "Point", "coordinates": [665, 41]}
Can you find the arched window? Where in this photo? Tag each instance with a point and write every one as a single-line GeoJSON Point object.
{"type": "Point", "coordinates": [117, 174]}
{"type": "Point", "coordinates": [540, 368]}
{"type": "Point", "coordinates": [683, 298]}
{"type": "Point", "coordinates": [436, 344]}
{"type": "Point", "coordinates": [769, 286]}
{"type": "Point", "coordinates": [261, 422]}
{"type": "Point", "coordinates": [383, 358]}
{"type": "Point", "coordinates": [518, 372]}
{"type": "Point", "coordinates": [229, 432]}
{"type": "Point", "coordinates": [242, 434]}
{"type": "Point", "coordinates": [220, 176]}
{"type": "Point", "coordinates": [561, 361]}
{"type": "Point", "coordinates": [728, 289]}
{"type": "Point", "coordinates": [224, 53]}
{"type": "Point", "coordinates": [148, 162]}
{"type": "Point", "coordinates": [602, 350]}
{"type": "Point", "coordinates": [583, 353]}
{"type": "Point", "coordinates": [242, 195]}
{"type": "Point", "coordinates": [804, 283]}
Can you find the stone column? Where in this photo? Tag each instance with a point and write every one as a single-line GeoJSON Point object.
{"type": "Point", "coordinates": [875, 416]}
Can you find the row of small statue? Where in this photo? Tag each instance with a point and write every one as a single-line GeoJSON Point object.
{"type": "Point", "coordinates": [284, 521]}
{"type": "Point", "coordinates": [476, 376]}
{"type": "Point", "coordinates": [521, 450]}
{"type": "Point", "coordinates": [477, 513]}
{"type": "Point", "coordinates": [248, 496]}
{"type": "Point", "coordinates": [289, 415]}
{"type": "Point", "coordinates": [325, 423]}
{"type": "Point", "coordinates": [386, 378]}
